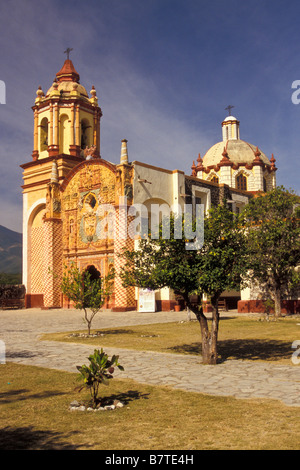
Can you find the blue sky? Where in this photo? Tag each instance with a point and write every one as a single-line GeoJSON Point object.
{"type": "Point", "coordinates": [164, 71]}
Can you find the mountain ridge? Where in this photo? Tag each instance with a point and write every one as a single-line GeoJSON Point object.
{"type": "Point", "coordinates": [10, 251]}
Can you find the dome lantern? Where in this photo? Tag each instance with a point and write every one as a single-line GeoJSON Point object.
{"type": "Point", "coordinates": [230, 128]}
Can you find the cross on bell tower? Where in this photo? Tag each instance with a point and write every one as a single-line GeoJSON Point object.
{"type": "Point", "coordinates": [67, 51]}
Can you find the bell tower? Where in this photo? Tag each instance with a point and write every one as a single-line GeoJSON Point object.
{"type": "Point", "coordinates": [66, 129]}
{"type": "Point", "coordinates": [66, 120]}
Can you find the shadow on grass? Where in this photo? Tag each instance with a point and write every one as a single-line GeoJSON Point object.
{"type": "Point", "coordinates": [247, 349]}
{"type": "Point", "coordinates": [11, 396]}
{"type": "Point", "coordinates": [126, 397]}
{"type": "Point", "coordinates": [29, 438]}
{"type": "Point", "coordinates": [116, 331]}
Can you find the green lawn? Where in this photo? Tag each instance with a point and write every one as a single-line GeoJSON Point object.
{"type": "Point", "coordinates": [34, 415]}
{"type": "Point", "coordinates": [239, 338]}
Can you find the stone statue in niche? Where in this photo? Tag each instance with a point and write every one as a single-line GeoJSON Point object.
{"type": "Point", "coordinates": [89, 224]}
{"type": "Point", "coordinates": [128, 191]}
{"type": "Point", "coordinates": [56, 205]}
{"type": "Point", "coordinates": [90, 152]}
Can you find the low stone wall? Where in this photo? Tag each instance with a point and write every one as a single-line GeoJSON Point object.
{"type": "Point", "coordinates": [12, 296]}
{"type": "Point", "coordinates": [257, 306]}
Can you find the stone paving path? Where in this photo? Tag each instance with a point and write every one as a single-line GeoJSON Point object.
{"type": "Point", "coordinates": [20, 330]}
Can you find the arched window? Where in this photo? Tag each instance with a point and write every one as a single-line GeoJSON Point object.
{"type": "Point", "coordinates": [215, 179]}
{"type": "Point", "coordinates": [241, 182]}
{"type": "Point", "coordinates": [265, 185]}
{"type": "Point", "coordinates": [90, 202]}
{"type": "Point", "coordinates": [85, 134]}
{"type": "Point", "coordinates": [44, 135]}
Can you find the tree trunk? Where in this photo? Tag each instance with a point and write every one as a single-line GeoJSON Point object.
{"type": "Point", "coordinates": [277, 303]}
{"type": "Point", "coordinates": [213, 346]}
{"type": "Point", "coordinates": [209, 338]}
{"type": "Point", "coordinates": [88, 321]}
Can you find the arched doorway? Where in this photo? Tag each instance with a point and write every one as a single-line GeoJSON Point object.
{"type": "Point", "coordinates": [94, 273]}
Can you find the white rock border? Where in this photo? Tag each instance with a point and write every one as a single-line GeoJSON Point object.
{"type": "Point", "coordinates": [76, 406]}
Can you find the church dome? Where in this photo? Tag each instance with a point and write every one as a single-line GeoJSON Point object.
{"type": "Point", "coordinates": [238, 151]}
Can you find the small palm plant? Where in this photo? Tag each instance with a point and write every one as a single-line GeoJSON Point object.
{"type": "Point", "coordinates": [100, 371]}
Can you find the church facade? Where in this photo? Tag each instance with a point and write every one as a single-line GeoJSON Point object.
{"type": "Point", "coordinates": [71, 194]}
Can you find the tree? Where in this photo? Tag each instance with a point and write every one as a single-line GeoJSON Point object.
{"type": "Point", "coordinates": [273, 235]}
{"type": "Point", "coordinates": [88, 294]}
{"type": "Point", "coordinates": [215, 267]}
{"type": "Point", "coordinates": [222, 267]}
{"type": "Point", "coordinates": [100, 371]}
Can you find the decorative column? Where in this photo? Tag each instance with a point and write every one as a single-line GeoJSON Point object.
{"type": "Point", "coordinates": [52, 262]}
{"type": "Point", "coordinates": [72, 130]}
{"type": "Point", "coordinates": [74, 149]}
{"type": "Point", "coordinates": [53, 250]}
{"type": "Point", "coordinates": [124, 296]}
{"type": "Point", "coordinates": [35, 153]}
{"type": "Point", "coordinates": [96, 120]}
{"type": "Point", "coordinates": [99, 114]}
{"type": "Point", "coordinates": [50, 136]}
{"type": "Point", "coordinates": [56, 128]}
{"type": "Point", "coordinates": [95, 128]}
{"type": "Point", "coordinates": [273, 170]}
{"type": "Point", "coordinates": [77, 129]}
{"type": "Point", "coordinates": [38, 101]}
{"type": "Point", "coordinates": [258, 167]}
{"type": "Point", "coordinates": [124, 153]}
{"type": "Point", "coordinates": [225, 169]}
{"type": "Point", "coordinates": [53, 142]}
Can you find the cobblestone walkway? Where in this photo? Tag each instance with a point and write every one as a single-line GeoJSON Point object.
{"type": "Point", "coordinates": [20, 331]}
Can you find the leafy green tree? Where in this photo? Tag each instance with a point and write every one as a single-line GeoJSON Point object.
{"type": "Point", "coordinates": [273, 243]}
{"type": "Point", "coordinates": [213, 268]}
{"type": "Point", "coordinates": [86, 293]}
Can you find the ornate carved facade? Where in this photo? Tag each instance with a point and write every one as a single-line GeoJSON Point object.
{"type": "Point", "coordinates": [71, 195]}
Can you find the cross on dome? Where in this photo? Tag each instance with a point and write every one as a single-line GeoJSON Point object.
{"type": "Point", "coordinates": [229, 108]}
